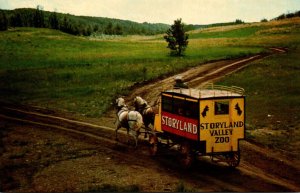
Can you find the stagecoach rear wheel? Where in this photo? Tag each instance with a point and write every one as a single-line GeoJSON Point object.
{"type": "Point", "coordinates": [153, 144]}
{"type": "Point", "coordinates": [233, 159]}
{"type": "Point", "coordinates": [186, 158]}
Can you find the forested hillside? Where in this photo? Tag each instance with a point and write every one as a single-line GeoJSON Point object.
{"type": "Point", "coordinates": [76, 25]}
{"type": "Point", "coordinates": [85, 25]}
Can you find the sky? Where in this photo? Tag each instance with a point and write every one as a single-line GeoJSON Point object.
{"type": "Point", "coordinates": [166, 11]}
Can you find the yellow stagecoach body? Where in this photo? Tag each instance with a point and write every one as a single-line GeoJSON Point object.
{"type": "Point", "coordinates": [211, 117]}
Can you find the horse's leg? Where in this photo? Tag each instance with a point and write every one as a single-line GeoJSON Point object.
{"type": "Point", "coordinates": [128, 135]}
{"type": "Point", "coordinates": [136, 138]}
{"type": "Point", "coordinates": [134, 134]}
{"type": "Point", "coordinates": [137, 133]}
{"type": "Point", "coordinates": [146, 128]}
{"type": "Point", "coordinates": [118, 127]}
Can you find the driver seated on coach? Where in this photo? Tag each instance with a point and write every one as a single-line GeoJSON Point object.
{"type": "Point", "coordinates": [179, 83]}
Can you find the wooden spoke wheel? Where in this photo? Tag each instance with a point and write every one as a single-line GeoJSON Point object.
{"type": "Point", "coordinates": [153, 144]}
{"type": "Point", "coordinates": [233, 159]}
{"type": "Point", "coordinates": [186, 157]}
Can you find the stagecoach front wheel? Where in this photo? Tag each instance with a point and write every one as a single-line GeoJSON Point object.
{"type": "Point", "coordinates": [153, 144]}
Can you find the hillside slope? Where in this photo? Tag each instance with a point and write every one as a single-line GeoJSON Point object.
{"type": "Point", "coordinates": [80, 25]}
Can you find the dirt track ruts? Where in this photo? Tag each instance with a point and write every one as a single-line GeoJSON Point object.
{"type": "Point", "coordinates": [249, 173]}
{"type": "Point", "coordinates": [260, 168]}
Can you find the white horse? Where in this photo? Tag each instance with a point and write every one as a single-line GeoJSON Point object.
{"type": "Point", "coordinates": [145, 110]}
{"type": "Point", "coordinates": [131, 120]}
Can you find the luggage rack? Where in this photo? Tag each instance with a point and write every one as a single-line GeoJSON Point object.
{"type": "Point", "coordinates": [232, 89]}
{"type": "Point", "coordinates": [210, 90]}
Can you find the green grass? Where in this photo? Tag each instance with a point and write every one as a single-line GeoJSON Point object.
{"type": "Point", "coordinates": [63, 72]}
{"type": "Point", "coordinates": [272, 99]}
{"type": "Point", "coordinates": [235, 33]}
{"type": "Point", "coordinates": [272, 85]}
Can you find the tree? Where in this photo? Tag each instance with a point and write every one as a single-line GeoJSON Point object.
{"type": "Point", "coordinates": [177, 38]}
{"type": "Point", "coordinates": [16, 20]}
{"type": "Point", "coordinates": [96, 28]}
{"type": "Point", "coordinates": [109, 29]}
{"type": "Point", "coordinates": [239, 21]}
{"type": "Point", "coordinates": [118, 30]}
{"type": "Point", "coordinates": [53, 20]}
{"type": "Point", "coordinates": [264, 20]}
{"type": "Point", "coordinates": [39, 17]}
{"type": "Point", "coordinates": [3, 21]}
{"type": "Point", "coordinates": [282, 16]}
{"type": "Point", "coordinates": [65, 26]}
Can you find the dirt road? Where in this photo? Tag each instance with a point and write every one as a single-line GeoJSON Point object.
{"type": "Point", "coordinates": [42, 150]}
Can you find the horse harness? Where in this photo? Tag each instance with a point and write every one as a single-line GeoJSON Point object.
{"type": "Point", "coordinates": [144, 109]}
{"type": "Point", "coordinates": [126, 120]}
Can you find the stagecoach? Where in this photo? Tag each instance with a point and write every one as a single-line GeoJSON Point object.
{"type": "Point", "coordinates": [209, 121]}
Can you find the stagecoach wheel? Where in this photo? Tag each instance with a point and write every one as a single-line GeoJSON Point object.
{"type": "Point", "coordinates": [186, 158]}
{"type": "Point", "coordinates": [233, 159]}
{"type": "Point", "coordinates": [153, 144]}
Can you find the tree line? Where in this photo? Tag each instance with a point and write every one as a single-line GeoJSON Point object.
{"type": "Point", "coordinates": [288, 15]}
{"type": "Point", "coordinates": [76, 25]}
{"type": "Point", "coordinates": [83, 25]}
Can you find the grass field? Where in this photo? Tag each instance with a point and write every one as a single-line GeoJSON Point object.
{"type": "Point", "coordinates": [83, 75]}
{"type": "Point", "coordinates": [272, 98]}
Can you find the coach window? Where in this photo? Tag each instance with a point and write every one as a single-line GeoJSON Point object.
{"type": "Point", "coordinates": [179, 106]}
{"type": "Point", "coordinates": [221, 107]}
{"type": "Point", "coordinates": [167, 104]}
{"type": "Point", "coordinates": [192, 109]}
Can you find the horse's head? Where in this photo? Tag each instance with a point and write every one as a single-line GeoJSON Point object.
{"type": "Point", "coordinates": [139, 101]}
{"type": "Point", "coordinates": [120, 102]}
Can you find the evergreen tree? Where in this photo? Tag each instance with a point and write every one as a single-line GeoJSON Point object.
{"type": "Point", "coordinates": [118, 30]}
{"type": "Point", "coordinates": [65, 25]}
{"type": "Point", "coordinates": [39, 17]}
{"type": "Point", "coordinates": [88, 31]}
{"type": "Point", "coordinates": [3, 21]}
{"type": "Point", "coordinates": [16, 20]}
{"type": "Point", "coordinates": [239, 21]}
{"type": "Point", "coordinates": [96, 28]}
{"type": "Point", "coordinates": [177, 38]}
{"type": "Point", "coordinates": [53, 21]}
{"type": "Point", "coordinates": [28, 17]}
{"type": "Point", "coordinates": [109, 29]}
{"type": "Point", "coordinates": [264, 20]}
